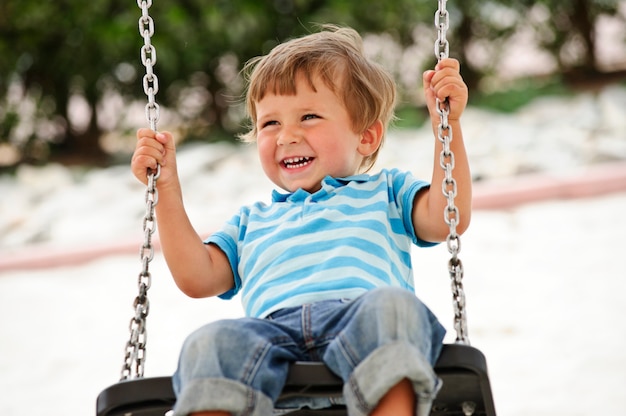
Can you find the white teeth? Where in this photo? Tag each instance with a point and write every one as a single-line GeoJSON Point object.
{"type": "Point", "coordinates": [296, 162]}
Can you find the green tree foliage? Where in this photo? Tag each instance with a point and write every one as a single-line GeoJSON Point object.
{"type": "Point", "coordinates": [567, 30]}
{"type": "Point", "coordinates": [70, 70]}
{"type": "Point", "coordinates": [564, 30]}
{"type": "Point", "coordinates": [53, 53]}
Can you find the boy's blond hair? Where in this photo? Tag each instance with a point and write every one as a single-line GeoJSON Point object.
{"type": "Point", "coordinates": [335, 55]}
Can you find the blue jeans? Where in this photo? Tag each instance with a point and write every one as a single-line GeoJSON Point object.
{"type": "Point", "coordinates": [372, 343]}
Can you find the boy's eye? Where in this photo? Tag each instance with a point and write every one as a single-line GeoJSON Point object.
{"type": "Point", "coordinates": [309, 117]}
{"type": "Point", "coordinates": [269, 123]}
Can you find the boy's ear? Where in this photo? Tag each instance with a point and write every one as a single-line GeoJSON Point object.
{"type": "Point", "coordinates": [371, 139]}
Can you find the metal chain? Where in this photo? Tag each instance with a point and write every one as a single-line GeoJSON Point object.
{"type": "Point", "coordinates": [135, 352]}
{"type": "Point", "coordinates": [149, 59]}
{"type": "Point", "coordinates": [449, 188]}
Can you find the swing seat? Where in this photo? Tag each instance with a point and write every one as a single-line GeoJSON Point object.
{"type": "Point", "coordinates": [462, 368]}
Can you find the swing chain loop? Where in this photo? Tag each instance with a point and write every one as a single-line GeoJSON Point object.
{"type": "Point", "coordinates": [449, 186]}
{"type": "Point", "coordinates": [442, 23]}
{"type": "Point", "coordinates": [135, 352]}
{"type": "Point", "coordinates": [148, 59]}
{"type": "Point", "coordinates": [134, 361]}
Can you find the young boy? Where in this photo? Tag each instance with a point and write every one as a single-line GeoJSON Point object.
{"type": "Point", "coordinates": [324, 270]}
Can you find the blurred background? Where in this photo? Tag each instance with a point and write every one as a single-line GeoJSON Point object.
{"type": "Point", "coordinates": [546, 120]}
{"type": "Point", "coordinates": [70, 73]}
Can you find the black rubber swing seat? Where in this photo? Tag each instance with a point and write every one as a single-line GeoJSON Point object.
{"type": "Point", "coordinates": [462, 368]}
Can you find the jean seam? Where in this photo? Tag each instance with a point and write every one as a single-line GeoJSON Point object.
{"type": "Point", "coordinates": [346, 350]}
{"type": "Point", "coordinates": [254, 362]}
{"type": "Point", "coordinates": [307, 334]}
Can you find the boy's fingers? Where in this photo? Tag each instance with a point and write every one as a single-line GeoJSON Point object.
{"type": "Point", "coordinates": [145, 132]}
{"type": "Point", "coordinates": [148, 137]}
{"type": "Point", "coordinates": [448, 63]}
{"type": "Point", "coordinates": [166, 139]}
{"type": "Point", "coordinates": [427, 77]}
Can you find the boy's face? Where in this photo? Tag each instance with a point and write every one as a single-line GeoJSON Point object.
{"type": "Point", "coordinates": [302, 138]}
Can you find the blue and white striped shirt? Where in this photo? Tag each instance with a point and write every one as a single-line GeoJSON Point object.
{"type": "Point", "coordinates": [352, 235]}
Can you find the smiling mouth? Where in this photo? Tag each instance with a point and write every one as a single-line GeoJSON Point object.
{"type": "Point", "coordinates": [297, 162]}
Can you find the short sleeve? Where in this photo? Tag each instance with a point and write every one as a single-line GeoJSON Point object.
{"type": "Point", "coordinates": [226, 240]}
{"type": "Point", "coordinates": [404, 187]}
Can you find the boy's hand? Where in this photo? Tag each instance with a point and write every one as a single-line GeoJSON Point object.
{"type": "Point", "coordinates": [445, 82]}
{"type": "Point", "coordinates": [154, 148]}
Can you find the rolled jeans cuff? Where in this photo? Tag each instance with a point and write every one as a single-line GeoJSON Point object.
{"type": "Point", "coordinates": [383, 369]}
{"type": "Point", "coordinates": [222, 394]}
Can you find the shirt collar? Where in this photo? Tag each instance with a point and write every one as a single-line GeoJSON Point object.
{"type": "Point", "coordinates": [329, 185]}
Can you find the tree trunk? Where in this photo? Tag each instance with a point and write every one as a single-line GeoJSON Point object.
{"type": "Point", "coordinates": [583, 22]}
{"type": "Point", "coordinates": [82, 148]}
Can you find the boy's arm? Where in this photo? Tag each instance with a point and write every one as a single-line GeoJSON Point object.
{"type": "Point", "coordinates": [199, 270]}
{"type": "Point", "coordinates": [430, 204]}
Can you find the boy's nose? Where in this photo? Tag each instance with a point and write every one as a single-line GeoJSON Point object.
{"type": "Point", "coordinates": [289, 136]}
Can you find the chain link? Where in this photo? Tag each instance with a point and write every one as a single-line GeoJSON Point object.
{"type": "Point", "coordinates": [135, 351]}
{"type": "Point", "coordinates": [449, 188]}
{"type": "Point", "coordinates": [442, 22]}
{"type": "Point", "coordinates": [149, 59]}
